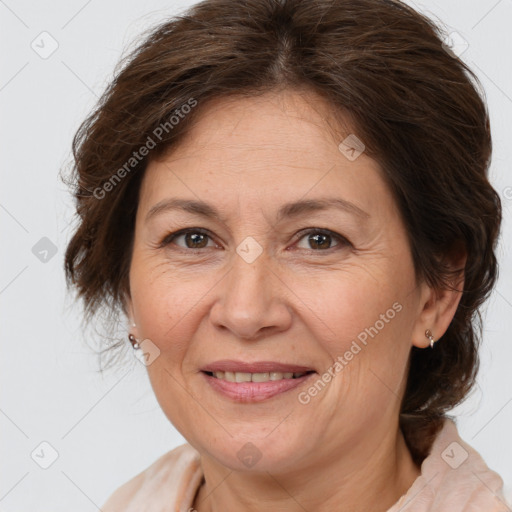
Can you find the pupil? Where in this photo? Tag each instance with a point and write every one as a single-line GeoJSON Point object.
{"type": "Point", "coordinates": [195, 238]}
{"type": "Point", "coordinates": [315, 238]}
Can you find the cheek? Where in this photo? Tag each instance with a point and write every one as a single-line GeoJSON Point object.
{"type": "Point", "coordinates": [343, 308]}
{"type": "Point", "coordinates": [167, 306]}
{"type": "Point", "coordinates": [168, 311]}
{"type": "Point", "coordinates": [364, 328]}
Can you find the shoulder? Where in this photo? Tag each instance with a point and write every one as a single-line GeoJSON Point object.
{"type": "Point", "coordinates": [454, 478]}
{"type": "Point", "coordinates": [166, 479]}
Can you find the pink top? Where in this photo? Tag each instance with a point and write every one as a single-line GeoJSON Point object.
{"type": "Point", "coordinates": [454, 478]}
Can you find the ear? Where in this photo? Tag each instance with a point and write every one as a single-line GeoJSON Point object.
{"type": "Point", "coordinates": [438, 307]}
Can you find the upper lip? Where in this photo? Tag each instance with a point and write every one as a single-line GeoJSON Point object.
{"type": "Point", "coordinates": [229, 365]}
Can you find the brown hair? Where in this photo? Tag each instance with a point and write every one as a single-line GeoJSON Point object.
{"type": "Point", "coordinates": [415, 105]}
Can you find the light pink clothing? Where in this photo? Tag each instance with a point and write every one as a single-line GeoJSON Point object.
{"type": "Point", "coordinates": [454, 478]}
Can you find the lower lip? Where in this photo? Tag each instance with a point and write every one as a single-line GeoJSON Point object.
{"type": "Point", "coordinates": [254, 391]}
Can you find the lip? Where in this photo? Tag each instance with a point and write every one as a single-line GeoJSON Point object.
{"type": "Point", "coordinates": [254, 391]}
{"type": "Point", "coordinates": [231, 365]}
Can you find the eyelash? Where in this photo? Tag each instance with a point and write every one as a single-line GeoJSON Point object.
{"type": "Point", "coordinates": [342, 241]}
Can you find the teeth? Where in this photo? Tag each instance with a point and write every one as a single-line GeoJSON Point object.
{"type": "Point", "coordinates": [256, 377]}
{"type": "Point", "coordinates": [242, 377]}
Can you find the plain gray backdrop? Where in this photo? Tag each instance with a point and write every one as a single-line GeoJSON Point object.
{"type": "Point", "coordinates": [100, 430]}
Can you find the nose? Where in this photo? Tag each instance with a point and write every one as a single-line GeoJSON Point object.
{"type": "Point", "coordinates": [252, 300]}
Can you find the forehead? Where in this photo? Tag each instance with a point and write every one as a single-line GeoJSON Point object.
{"type": "Point", "coordinates": [277, 121]}
{"type": "Point", "coordinates": [277, 146]}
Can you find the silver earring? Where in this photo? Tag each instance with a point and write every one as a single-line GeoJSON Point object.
{"type": "Point", "coordinates": [428, 334]}
{"type": "Point", "coordinates": [134, 341]}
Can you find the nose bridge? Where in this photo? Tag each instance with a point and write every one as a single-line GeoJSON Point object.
{"type": "Point", "coordinates": [250, 300]}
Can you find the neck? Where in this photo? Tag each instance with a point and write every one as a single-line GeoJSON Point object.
{"type": "Point", "coordinates": [370, 477]}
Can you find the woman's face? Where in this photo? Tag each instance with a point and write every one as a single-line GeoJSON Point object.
{"type": "Point", "coordinates": [306, 263]}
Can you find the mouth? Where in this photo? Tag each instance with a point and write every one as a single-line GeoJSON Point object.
{"type": "Point", "coordinates": [236, 366]}
{"type": "Point", "coordinates": [256, 377]}
{"type": "Point", "coordinates": [254, 382]}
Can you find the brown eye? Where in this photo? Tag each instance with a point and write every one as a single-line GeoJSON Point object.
{"type": "Point", "coordinates": [192, 239]}
{"type": "Point", "coordinates": [195, 240]}
{"type": "Point", "coordinates": [319, 240]}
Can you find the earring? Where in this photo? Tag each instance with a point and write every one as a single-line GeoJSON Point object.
{"type": "Point", "coordinates": [134, 341]}
{"type": "Point", "coordinates": [428, 334]}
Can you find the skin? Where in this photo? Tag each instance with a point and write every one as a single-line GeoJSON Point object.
{"type": "Point", "coordinates": [300, 301]}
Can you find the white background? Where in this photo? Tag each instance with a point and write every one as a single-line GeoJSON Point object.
{"type": "Point", "coordinates": [108, 428]}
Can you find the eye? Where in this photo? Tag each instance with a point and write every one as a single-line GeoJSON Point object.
{"type": "Point", "coordinates": [198, 238]}
{"type": "Point", "coordinates": [322, 239]}
{"type": "Point", "coordinates": [193, 238]}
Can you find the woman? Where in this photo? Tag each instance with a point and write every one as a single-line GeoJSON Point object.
{"type": "Point", "coordinates": [288, 202]}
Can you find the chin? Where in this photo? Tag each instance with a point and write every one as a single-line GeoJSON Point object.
{"type": "Point", "coordinates": [256, 452]}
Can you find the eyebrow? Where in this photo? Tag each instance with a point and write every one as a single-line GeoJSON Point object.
{"type": "Point", "coordinates": [288, 210]}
